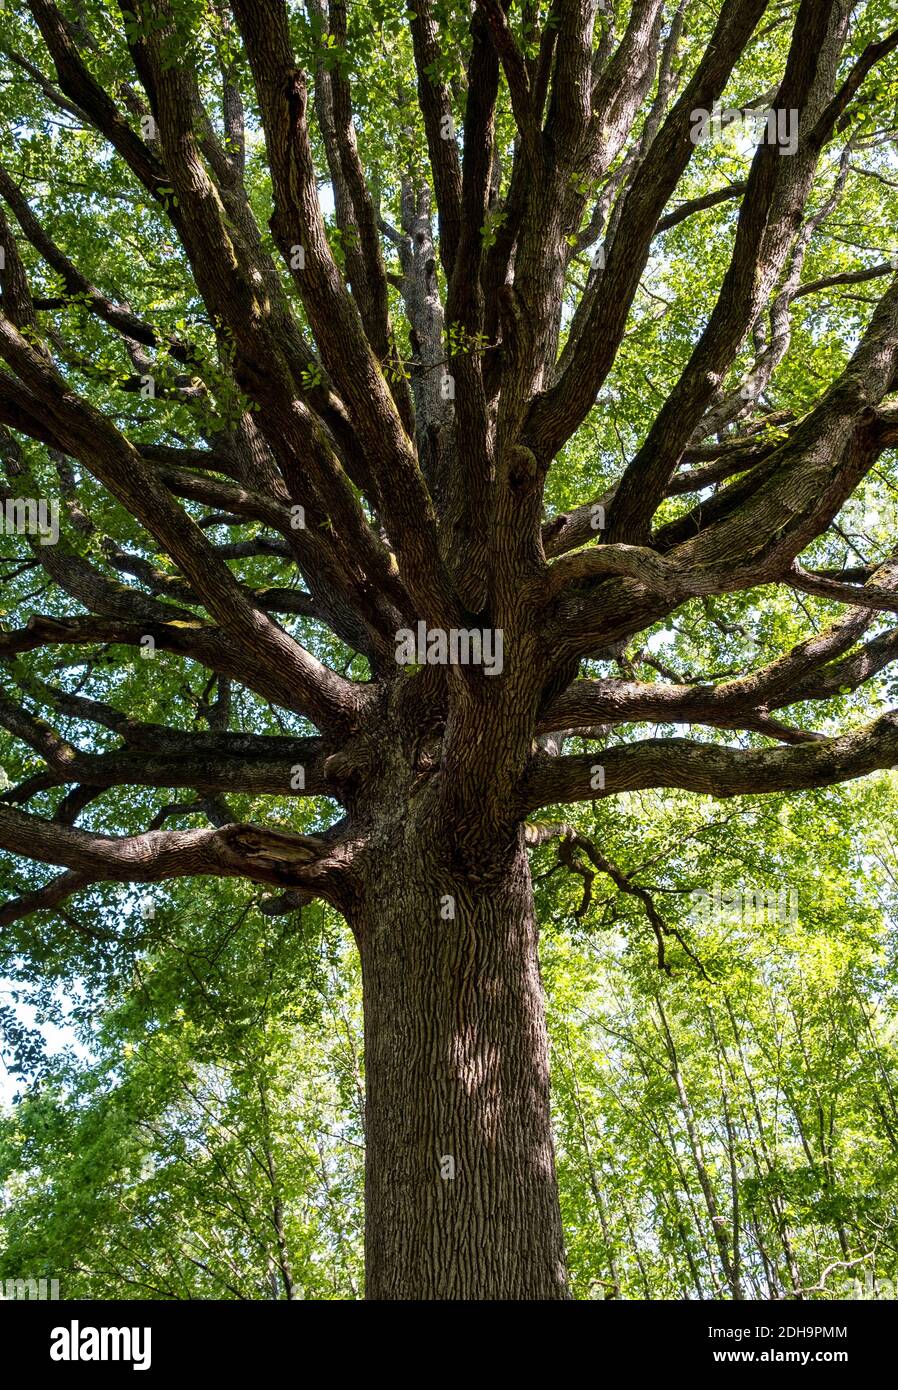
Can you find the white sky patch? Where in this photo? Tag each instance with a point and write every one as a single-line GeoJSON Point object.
{"type": "Point", "coordinates": [57, 1039]}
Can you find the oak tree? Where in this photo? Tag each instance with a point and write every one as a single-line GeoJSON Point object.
{"type": "Point", "coordinates": [309, 314]}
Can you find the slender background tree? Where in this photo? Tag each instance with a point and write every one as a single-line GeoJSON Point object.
{"type": "Point", "coordinates": [390, 449]}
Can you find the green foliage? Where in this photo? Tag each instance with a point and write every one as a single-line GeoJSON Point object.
{"type": "Point", "coordinates": [783, 1034]}
{"type": "Point", "coordinates": [204, 1139]}
{"type": "Point", "coordinates": [211, 1147]}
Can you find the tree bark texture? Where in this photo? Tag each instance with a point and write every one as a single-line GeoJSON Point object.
{"type": "Point", "coordinates": [461, 1195]}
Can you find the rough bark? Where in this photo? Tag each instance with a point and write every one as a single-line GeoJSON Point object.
{"type": "Point", "coordinates": [461, 1196]}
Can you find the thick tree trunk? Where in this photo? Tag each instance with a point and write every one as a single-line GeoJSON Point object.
{"type": "Point", "coordinates": [461, 1196]}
